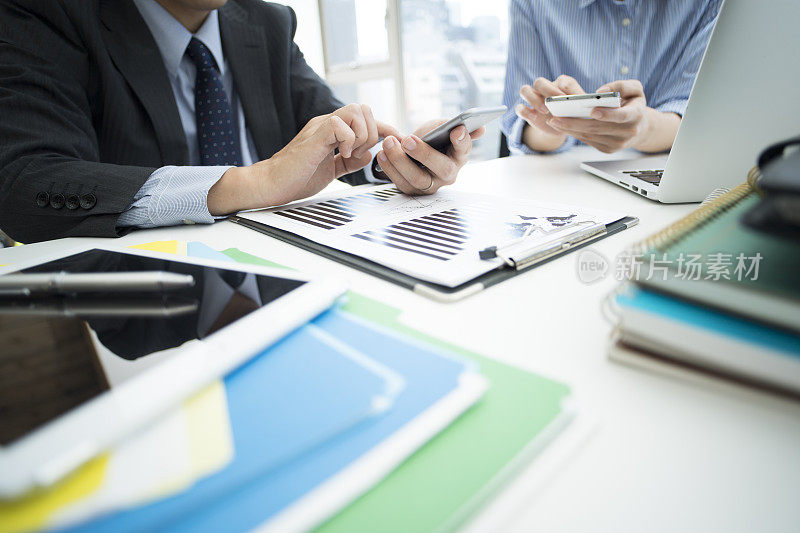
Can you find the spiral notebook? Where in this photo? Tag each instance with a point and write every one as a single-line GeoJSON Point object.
{"type": "Point", "coordinates": [741, 271]}
{"type": "Point", "coordinates": [710, 294]}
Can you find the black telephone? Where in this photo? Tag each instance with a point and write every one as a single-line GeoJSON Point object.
{"type": "Point", "coordinates": [778, 213]}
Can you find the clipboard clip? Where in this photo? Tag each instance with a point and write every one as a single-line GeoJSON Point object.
{"type": "Point", "coordinates": [519, 254]}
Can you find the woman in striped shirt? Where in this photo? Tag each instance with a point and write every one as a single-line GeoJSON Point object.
{"type": "Point", "coordinates": [647, 50]}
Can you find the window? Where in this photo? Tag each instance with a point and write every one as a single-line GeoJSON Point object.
{"type": "Point", "coordinates": [362, 54]}
{"type": "Point", "coordinates": [347, 43]}
{"type": "Point", "coordinates": [308, 36]}
{"type": "Point", "coordinates": [454, 57]}
{"type": "Point", "coordinates": [410, 60]}
{"type": "Point", "coordinates": [355, 33]}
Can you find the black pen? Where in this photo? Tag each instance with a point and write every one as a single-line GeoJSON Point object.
{"type": "Point", "coordinates": [87, 307]}
{"type": "Point", "coordinates": [65, 282]}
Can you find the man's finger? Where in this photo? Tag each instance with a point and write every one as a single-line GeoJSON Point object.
{"type": "Point", "coordinates": [385, 130]}
{"type": "Point", "coordinates": [441, 165]}
{"type": "Point", "coordinates": [351, 164]}
{"type": "Point", "coordinates": [372, 132]}
{"type": "Point", "coordinates": [353, 115]}
{"type": "Point", "coordinates": [337, 134]}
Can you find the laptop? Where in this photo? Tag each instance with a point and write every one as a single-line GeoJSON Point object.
{"type": "Point", "coordinates": [742, 100]}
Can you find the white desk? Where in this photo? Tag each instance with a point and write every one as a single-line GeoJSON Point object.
{"type": "Point", "coordinates": [666, 455]}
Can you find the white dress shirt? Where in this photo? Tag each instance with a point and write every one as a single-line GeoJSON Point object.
{"type": "Point", "coordinates": [178, 194]}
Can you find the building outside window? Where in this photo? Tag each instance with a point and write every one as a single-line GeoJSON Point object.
{"type": "Point", "coordinates": [410, 60]}
{"type": "Point", "coordinates": [454, 57]}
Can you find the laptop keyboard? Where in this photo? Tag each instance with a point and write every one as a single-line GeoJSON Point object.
{"type": "Point", "coordinates": [650, 176]}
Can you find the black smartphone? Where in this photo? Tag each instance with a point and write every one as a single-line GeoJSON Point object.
{"type": "Point", "coordinates": [439, 137]}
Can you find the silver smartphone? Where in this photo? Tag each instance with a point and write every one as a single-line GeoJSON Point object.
{"type": "Point", "coordinates": [439, 137]}
{"type": "Point", "coordinates": [580, 105]}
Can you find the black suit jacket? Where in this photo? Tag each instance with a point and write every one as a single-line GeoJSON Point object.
{"type": "Point", "coordinates": [87, 112]}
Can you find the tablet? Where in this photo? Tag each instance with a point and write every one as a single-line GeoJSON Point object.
{"type": "Point", "coordinates": [80, 372]}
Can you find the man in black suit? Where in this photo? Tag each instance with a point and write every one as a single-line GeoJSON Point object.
{"type": "Point", "coordinates": [138, 113]}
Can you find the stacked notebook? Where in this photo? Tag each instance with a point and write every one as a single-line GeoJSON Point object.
{"type": "Point", "coordinates": [352, 423]}
{"type": "Point", "coordinates": [711, 294]}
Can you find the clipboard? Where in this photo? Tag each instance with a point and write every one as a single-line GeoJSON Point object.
{"type": "Point", "coordinates": [437, 292]}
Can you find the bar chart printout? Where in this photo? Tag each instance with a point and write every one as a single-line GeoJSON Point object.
{"type": "Point", "coordinates": [437, 237]}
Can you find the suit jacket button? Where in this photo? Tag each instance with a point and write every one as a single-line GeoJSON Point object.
{"type": "Point", "coordinates": [88, 200]}
{"type": "Point", "coordinates": [57, 201]}
{"type": "Point", "coordinates": [73, 202]}
{"type": "Point", "coordinates": [42, 199]}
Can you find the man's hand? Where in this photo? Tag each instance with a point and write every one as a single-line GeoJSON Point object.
{"type": "Point", "coordinates": [633, 125]}
{"type": "Point", "coordinates": [306, 165]}
{"type": "Point", "coordinates": [538, 135]}
{"type": "Point", "coordinates": [398, 156]}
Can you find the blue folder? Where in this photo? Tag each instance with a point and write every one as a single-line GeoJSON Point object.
{"type": "Point", "coordinates": [229, 501]}
{"type": "Point", "coordinates": [301, 392]}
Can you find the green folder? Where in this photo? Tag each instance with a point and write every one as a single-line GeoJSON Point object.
{"type": "Point", "coordinates": [445, 481]}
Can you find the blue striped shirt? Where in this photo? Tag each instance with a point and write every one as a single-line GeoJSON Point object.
{"type": "Point", "coordinates": [657, 42]}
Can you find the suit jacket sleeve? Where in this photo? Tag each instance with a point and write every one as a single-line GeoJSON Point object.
{"type": "Point", "coordinates": [48, 144]}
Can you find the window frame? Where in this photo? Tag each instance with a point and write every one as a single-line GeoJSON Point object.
{"type": "Point", "coordinates": [357, 72]}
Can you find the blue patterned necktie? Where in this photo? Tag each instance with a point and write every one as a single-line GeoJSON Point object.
{"type": "Point", "coordinates": [216, 129]}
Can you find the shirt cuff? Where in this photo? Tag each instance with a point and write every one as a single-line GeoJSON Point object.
{"type": "Point", "coordinates": [516, 146]}
{"type": "Point", "coordinates": [673, 106]}
{"type": "Point", "coordinates": [173, 195]}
